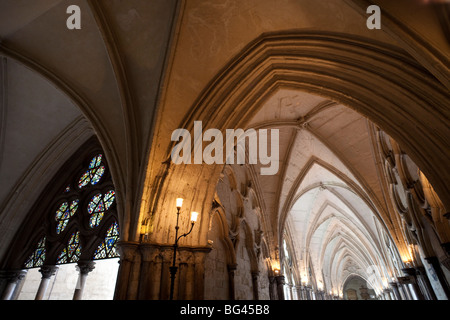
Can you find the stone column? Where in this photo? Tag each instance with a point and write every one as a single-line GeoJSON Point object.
{"type": "Point", "coordinates": [155, 281]}
{"type": "Point", "coordinates": [84, 267]}
{"type": "Point", "coordinates": [407, 292]}
{"type": "Point", "coordinates": [423, 279]}
{"type": "Point", "coordinates": [280, 286]}
{"type": "Point", "coordinates": [394, 287]}
{"type": "Point", "coordinates": [412, 273]}
{"type": "Point", "coordinates": [296, 290]}
{"type": "Point", "coordinates": [272, 288]}
{"type": "Point", "coordinates": [308, 292]}
{"type": "Point", "coordinates": [128, 252]}
{"type": "Point", "coordinates": [150, 276]}
{"type": "Point", "coordinates": [255, 281]}
{"type": "Point", "coordinates": [47, 272]}
{"type": "Point", "coordinates": [320, 295]}
{"type": "Point", "coordinates": [199, 272]}
{"type": "Point", "coordinates": [434, 262]}
{"type": "Point", "coordinates": [289, 291]}
{"type": "Point", "coordinates": [387, 294]}
{"type": "Point", "coordinates": [404, 290]}
{"type": "Point", "coordinates": [299, 292]}
{"type": "Point", "coordinates": [12, 278]}
{"type": "Point", "coordinates": [231, 269]}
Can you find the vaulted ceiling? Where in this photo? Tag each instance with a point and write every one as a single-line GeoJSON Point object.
{"type": "Point", "coordinates": [327, 191]}
{"type": "Point", "coordinates": [135, 71]}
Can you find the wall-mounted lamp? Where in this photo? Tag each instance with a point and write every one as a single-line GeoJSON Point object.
{"type": "Point", "coordinates": [179, 203]}
{"type": "Point", "coordinates": [173, 269]}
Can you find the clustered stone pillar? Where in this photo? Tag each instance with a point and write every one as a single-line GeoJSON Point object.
{"type": "Point", "coordinates": [425, 284]}
{"type": "Point", "coordinates": [128, 252]}
{"type": "Point", "coordinates": [308, 290]}
{"type": "Point", "coordinates": [434, 262]}
{"type": "Point", "coordinates": [300, 292]}
{"type": "Point", "coordinates": [320, 295]}
{"type": "Point", "coordinates": [280, 286]}
{"type": "Point", "coordinates": [394, 287]}
{"type": "Point", "coordinates": [47, 272]}
{"type": "Point", "coordinates": [276, 287]}
{"type": "Point", "coordinates": [406, 292]}
{"type": "Point", "coordinates": [231, 268]}
{"type": "Point", "coordinates": [255, 280]}
{"type": "Point", "coordinates": [419, 282]}
{"type": "Point", "coordinates": [144, 272]}
{"type": "Point", "coordinates": [387, 294]}
{"type": "Point", "coordinates": [84, 267]}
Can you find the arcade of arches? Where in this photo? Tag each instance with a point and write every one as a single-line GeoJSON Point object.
{"type": "Point", "coordinates": [357, 210]}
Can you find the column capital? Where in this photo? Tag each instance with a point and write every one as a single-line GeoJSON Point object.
{"type": "Point", "coordinates": [231, 267]}
{"type": "Point", "coordinates": [410, 271]}
{"type": "Point", "coordinates": [13, 276]}
{"type": "Point", "coordinates": [48, 271]}
{"type": "Point", "coordinates": [127, 249]}
{"type": "Point", "coordinates": [446, 247]}
{"type": "Point", "coordinates": [393, 284]}
{"type": "Point", "coordinates": [280, 279]}
{"type": "Point", "coordinates": [85, 266]}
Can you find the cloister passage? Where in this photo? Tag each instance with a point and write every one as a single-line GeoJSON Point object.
{"type": "Point", "coordinates": [326, 198]}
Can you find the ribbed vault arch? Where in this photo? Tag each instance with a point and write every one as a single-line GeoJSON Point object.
{"type": "Point", "coordinates": [335, 66]}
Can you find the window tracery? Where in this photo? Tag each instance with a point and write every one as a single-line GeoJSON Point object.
{"type": "Point", "coordinates": [83, 223]}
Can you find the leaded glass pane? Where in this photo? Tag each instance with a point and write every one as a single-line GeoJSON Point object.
{"type": "Point", "coordinates": [85, 179]}
{"type": "Point", "coordinates": [95, 162]}
{"type": "Point", "coordinates": [72, 252]}
{"type": "Point", "coordinates": [98, 205]}
{"type": "Point", "coordinates": [95, 219]}
{"type": "Point", "coordinates": [37, 258]}
{"type": "Point", "coordinates": [108, 199]}
{"type": "Point", "coordinates": [94, 174]}
{"type": "Point", "coordinates": [94, 203]}
{"type": "Point", "coordinates": [107, 249]}
{"type": "Point", "coordinates": [64, 213]}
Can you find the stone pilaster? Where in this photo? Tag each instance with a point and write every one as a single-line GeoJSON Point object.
{"type": "Point", "coordinates": [124, 286]}
{"type": "Point", "coordinates": [154, 278]}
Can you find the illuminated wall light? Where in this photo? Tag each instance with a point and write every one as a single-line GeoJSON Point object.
{"type": "Point", "coordinates": [179, 202]}
{"type": "Point", "coordinates": [194, 216]}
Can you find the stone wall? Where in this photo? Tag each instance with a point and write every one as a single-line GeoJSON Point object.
{"type": "Point", "coordinates": [236, 266]}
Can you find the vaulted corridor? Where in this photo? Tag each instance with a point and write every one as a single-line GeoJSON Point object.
{"type": "Point", "coordinates": [307, 139]}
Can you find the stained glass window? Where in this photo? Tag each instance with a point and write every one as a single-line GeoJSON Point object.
{"type": "Point", "coordinates": [75, 202]}
{"type": "Point", "coordinates": [63, 214]}
{"type": "Point", "coordinates": [107, 249]}
{"type": "Point", "coordinates": [72, 252]}
{"type": "Point", "coordinates": [98, 205]}
{"type": "Point", "coordinates": [37, 258]}
{"type": "Point", "coordinates": [94, 172]}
